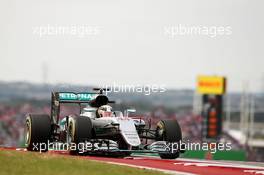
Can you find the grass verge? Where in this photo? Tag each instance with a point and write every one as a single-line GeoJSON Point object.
{"type": "Point", "coordinates": [29, 163]}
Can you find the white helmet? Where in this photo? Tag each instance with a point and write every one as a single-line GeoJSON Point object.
{"type": "Point", "coordinates": [104, 111]}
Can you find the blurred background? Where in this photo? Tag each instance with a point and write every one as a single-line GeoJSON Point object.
{"type": "Point", "coordinates": [76, 45]}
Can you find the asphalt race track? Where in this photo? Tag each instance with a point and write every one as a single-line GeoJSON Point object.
{"type": "Point", "coordinates": [178, 166]}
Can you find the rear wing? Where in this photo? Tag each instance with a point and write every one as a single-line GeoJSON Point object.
{"type": "Point", "coordinates": [71, 97]}
{"type": "Point", "coordinates": [58, 98]}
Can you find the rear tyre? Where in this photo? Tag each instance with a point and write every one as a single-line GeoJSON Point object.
{"type": "Point", "coordinates": [37, 132]}
{"type": "Point", "coordinates": [80, 130]}
{"type": "Point", "coordinates": [170, 131]}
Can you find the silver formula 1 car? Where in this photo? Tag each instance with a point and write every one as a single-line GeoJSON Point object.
{"type": "Point", "coordinates": [98, 129]}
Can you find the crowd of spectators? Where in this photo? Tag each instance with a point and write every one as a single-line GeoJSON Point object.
{"type": "Point", "coordinates": [12, 120]}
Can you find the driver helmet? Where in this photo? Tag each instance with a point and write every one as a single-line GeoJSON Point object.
{"type": "Point", "coordinates": [104, 111]}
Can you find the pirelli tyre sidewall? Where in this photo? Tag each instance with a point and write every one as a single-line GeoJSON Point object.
{"type": "Point", "coordinates": [37, 132]}
{"type": "Point", "coordinates": [80, 130]}
{"type": "Point", "coordinates": [170, 131]}
{"type": "Point", "coordinates": [71, 130]}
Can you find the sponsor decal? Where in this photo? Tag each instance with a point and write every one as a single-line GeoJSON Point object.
{"type": "Point", "coordinates": [211, 85]}
{"type": "Point", "coordinates": [79, 96]}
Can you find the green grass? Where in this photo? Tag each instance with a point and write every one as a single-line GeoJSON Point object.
{"type": "Point", "coordinates": [28, 163]}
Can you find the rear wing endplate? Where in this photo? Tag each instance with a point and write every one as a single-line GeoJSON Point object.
{"type": "Point", "coordinates": [68, 97]}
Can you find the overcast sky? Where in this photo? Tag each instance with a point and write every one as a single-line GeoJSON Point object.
{"type": "Point", "coordinates": [129, 42]}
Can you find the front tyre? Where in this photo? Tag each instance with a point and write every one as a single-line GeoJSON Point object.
{"type": "Point", "coordinates": [169, 131]}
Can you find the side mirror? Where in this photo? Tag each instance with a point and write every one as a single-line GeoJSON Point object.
{"type": "Point", "coordinates": [89, 109]}
{"type": "Point", "coordinates": [129, 111]}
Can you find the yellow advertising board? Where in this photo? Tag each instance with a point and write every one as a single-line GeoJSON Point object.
{"type": "Point", "coordinates": [211, 85]}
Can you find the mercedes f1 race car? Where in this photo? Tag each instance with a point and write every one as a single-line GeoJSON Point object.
{"type": "Point", "coordinates": [98, 129]}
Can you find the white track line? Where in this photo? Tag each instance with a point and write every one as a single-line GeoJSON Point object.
{"type": "Point", "coordinates": [227, 165]}
{"type": "Point", "coordinates": [254, 171]}
{"type": "Point", "coordinates": [222, 162]}
{"type": "Point", "coordinates": [207, 163]}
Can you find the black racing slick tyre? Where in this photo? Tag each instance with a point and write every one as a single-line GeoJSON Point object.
{"type": "Point", "coordinates": [37, 132]}
{"type": "Point", "coordinates": [169, 131]}
{"type": "Point", "coordinates": [80, 130]}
